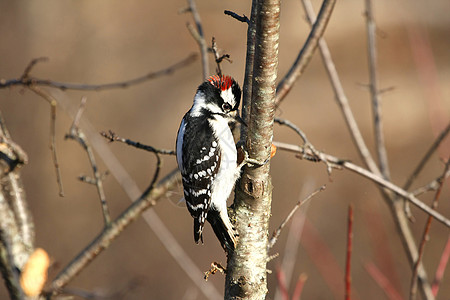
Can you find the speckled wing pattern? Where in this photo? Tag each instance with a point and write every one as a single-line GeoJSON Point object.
{"type": "Point", "coordinates": [201, 161]}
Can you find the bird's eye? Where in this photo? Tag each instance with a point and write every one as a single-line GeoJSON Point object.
{"type": "Point", "coordinates": [226, 107]}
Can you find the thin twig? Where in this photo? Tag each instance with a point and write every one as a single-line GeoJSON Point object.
{"type": "Point", "coordinates": [305, 54]}
{"type": "Point", "coordinates": [113, 137]}
{"type": "Point", "coordinates": [217, 57]}
{"type": "Point", "coordinates": [76, 134]}
{"type": "Point", "coordinates": [428, 75]}
{"type": "Point", "coordinates": [397, 208]}
{"type": "Point", "coordinates": [277, 232]}
{"type": "Point", "coordinates": [425, 236]}
{"type": "Point", "coordinates": [426, 157]}
{"type": "Point", "coordinates": [33, 81]}
{"type": "Point", "coordinates": [431, 186]}
{"type": "Point", "coordinates": [77, 118]}
{"type": "Point", "coordinates": [334, 161]}
{"type": "Point", "coordinates": [293, 237]}
{"type": "Point", "coordinates": [52, 101]}
{"type": "Point", "coordinates": [91, 180]}
{"type": "Point", "coordinates": [341, 98]}
{"type": "Point", "coordinates": [348, 276]}
{"type": "Point", "coordinates": [199, 37]}
{"type": "Point", "coordinates": [101, 242]}
{"type": "Point", "coordinates": [374, 92]}
{"type": "Point", "coordinates": [306, 144]}
{"type": "Point", "coordinates": [31, 65]}
{"type": "Point", "coordinates": [293, 127]}
{"type": "Point", "coordinates": [234, 15]}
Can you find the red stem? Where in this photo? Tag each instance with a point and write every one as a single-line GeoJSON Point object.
{"type": "Point", "coordinates": [282, 284]}
{"type": "Point", "coordinates": [299, 286]}
{"type": "Point", "coordinates": [441, 268]}
{"type": "Point", "coordinates": [348, 276]}
{"type": "Point", "coordinates": [382, 282]}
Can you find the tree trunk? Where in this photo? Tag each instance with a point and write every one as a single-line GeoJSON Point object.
{"type": "Point", "coordinates": [246, 272]}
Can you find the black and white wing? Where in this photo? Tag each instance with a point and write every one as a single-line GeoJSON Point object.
{"type": "Point", "coordinates": [198, 159]}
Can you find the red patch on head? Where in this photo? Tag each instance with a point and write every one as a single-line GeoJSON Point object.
{"type": "Point", "coordinates": [221, 82]}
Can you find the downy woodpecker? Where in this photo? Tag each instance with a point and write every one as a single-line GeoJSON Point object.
{"type": "Point", "coordinates": [207, 156]}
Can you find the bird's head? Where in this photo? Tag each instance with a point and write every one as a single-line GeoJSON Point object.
{"type": "Point", "coordinates": [217, 96]}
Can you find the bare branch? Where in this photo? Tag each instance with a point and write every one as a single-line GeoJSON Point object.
{"type": "Point", "coordinates": [420, 166]}
{"type": "Point", "coordinates": [397, 209]}
{"type": "Point", "coordinates": [234, 15]}
{"type": "Point", "coordinates": [12, 158]}
{"type": "Point", "coordinates": [12, 253]}
{"type": "Point", "coordinates": [52, 101]}
{"type": "Point", "coordinates": [101, 242]}
{"type": "Point", "coordinates": [305, 55]}
{"type": "Point", "coordinates": [77, 135]}
{"type": "Point", "coordinates": [374, 92]}
{"type": "Point", "coordinates": [293, 127]}
{"type": "Point", "coordinates": [28, 80]}
{"type": "Point", "coordinates": [112, 137]}
{"type": "Point", "coordinates": [31, 65]}
{"type": "Point", "coordinates": [306, 144]}
{"type": "Point", "coordinates": [426, 157]}
{"type": "Point", "coordinates": [341, 98]}
{"type": "Point", "coordinates": [217, 57]}
{"type": "Point", "coordinates": [90, 180]}
{"type": "Point", "coordinates": [151, 218]}
{"type": "Point", "coordinates": [371, 176]}
{"type": "Point", "coordinates": [425, 236]}
{"type": "Point", "coordinates": [16, 225]}
{"type": "Point", "coordinates": [14, 192]}
{"type": "Point", "coordinates": [277, 232]}
{"type": "Point", "coordinates": [431, 186]}
{"type": "Point", "coordinates": [199, 37]}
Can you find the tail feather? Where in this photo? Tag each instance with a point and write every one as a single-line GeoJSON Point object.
{"type": "Point", "coordinates": [223, 229]}
{"type": "Point", "coordinates": [198, 231]}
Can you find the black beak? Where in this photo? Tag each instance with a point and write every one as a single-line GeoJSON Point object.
{"type": "Point", "coordinates": [240, 120]}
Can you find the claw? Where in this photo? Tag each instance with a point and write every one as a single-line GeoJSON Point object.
{"type": "Point", "coordinates": [246, 160]}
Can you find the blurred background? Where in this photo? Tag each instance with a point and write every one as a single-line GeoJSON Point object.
{"type": "Point", "coordinates": [108, 41]}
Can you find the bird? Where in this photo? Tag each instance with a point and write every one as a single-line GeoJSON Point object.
{"type": "Point", "coordinates": [207, 157]}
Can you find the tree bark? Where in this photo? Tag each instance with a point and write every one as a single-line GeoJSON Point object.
{"type": "Point", "coordinates": [246, 272]}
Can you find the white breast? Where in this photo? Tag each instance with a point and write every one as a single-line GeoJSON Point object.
{"type": "Point", "coordinates": [228, 171]}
